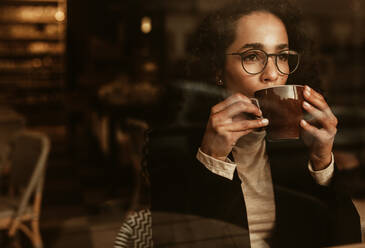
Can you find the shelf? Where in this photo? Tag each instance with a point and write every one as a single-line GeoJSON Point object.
{"type": "Point", "coordinates": [21, 14]}
{"type": "Point", "coordinates": [32, 84]}
{"type": "Point", "coordinates": [37, 97]}
{"type": "Point", "coordinates": [14, 22]}
{"type": "Point", "coordinates": [30, 31]}
{"type": "Point", "coordinates": [30, 56]}
{"type": "Point", "coordinates": [32, 74]}
{"type": "Point", "coordinates": [35, 65]}
{"type": "Point", "coordinates": [32, 2]}
{"type": "Point", "coordinates": [23, 2]}
{"type": "Point", "coordinates": [16, 77]}
{"type": "Point", "coordinates": [50, 39]}
{"type": "Point", "coordinates": [28, 23]}
{"type": "Point", "coordinates": [31, 71]}
{"type": "Point", "coordinates": [32, 50]}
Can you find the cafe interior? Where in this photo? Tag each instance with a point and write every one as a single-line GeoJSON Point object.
{"type": "Point", "coordinates": [82, 82]}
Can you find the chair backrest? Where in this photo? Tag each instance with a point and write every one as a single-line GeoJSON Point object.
{"type": "Point", "coordinates": [28, 162]}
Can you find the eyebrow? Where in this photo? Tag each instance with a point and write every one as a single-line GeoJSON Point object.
{"type": "Point", "coordinates": [261, 46]}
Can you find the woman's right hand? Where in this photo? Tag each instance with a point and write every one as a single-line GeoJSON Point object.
{"type": "Point", "coordinates": [228, 121]}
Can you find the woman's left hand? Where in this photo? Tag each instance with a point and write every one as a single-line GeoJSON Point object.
{"type": "Point", "coordinates": [319, 132]}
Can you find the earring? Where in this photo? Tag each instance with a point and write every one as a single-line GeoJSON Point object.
{"type": "Point", "coordinates": [220, 82]}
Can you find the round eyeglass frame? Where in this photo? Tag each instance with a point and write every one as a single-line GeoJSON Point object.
{"type": "Point", "coordinates": [267, 59]}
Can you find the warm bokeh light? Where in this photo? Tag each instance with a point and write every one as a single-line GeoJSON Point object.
{"type": "Point", "coordinates": [59, 15]}
{"type": "Point", "coordinates": [146, 24]}
{"type": "Point", "coordinates": [150, 66]}
{"type": "Point", "coordinates": [36, 63]}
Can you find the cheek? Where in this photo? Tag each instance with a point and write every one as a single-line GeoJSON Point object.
{"type": "Point", "coordinates": [242, 83]}
{"type": "Point", "coordinates": [235, 77]}
{"type": "Point", "coordinates": [250, 86]}
{"type": "Point", "coordinates": [283, 80]}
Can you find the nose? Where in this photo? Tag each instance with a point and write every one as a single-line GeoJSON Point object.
{"type": "Point", "coordinates": [270, 75]}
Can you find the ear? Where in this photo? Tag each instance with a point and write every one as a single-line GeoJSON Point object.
{"type": "Point", "coordinates": [219, 75]}
{"type": "Point", "coordinates": [219, 79]}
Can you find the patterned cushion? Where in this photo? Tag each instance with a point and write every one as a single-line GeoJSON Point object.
{"type": "Point", "coordinates": [136, 231]}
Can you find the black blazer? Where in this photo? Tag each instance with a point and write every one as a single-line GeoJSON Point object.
{"type": "Point", "coordinates": [307, 214]}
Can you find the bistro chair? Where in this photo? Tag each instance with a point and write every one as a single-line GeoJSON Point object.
{"type": "Point", "coordinates": [20, 209]}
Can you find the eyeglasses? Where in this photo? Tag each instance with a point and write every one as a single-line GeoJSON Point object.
{"type": "Point", "coordinates": [254, 61]}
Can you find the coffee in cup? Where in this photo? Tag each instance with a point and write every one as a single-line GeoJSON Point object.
{"type": "Point", "coordinates": [282, 106]}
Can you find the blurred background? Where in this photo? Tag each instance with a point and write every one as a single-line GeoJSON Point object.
{"type": "Point", "coordinates": [92, 75]}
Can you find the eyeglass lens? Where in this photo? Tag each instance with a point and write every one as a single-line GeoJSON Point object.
{"type": "Point", "coordinates": [254, 61]}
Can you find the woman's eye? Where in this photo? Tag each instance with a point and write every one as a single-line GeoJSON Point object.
{"type": "Point", "coordinates": [250, 57]}
{"type": "Point", "coordinates": [283, 57]}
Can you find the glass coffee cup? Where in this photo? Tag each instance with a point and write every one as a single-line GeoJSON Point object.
{"type": "Point", "coordinates": [282, 106]}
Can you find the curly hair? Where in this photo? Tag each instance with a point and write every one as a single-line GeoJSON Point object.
{"type": "Point", "coordinates": [217, 32]}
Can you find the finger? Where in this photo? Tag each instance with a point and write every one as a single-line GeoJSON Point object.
{"type": "Point", "coordinates": [229, 101]}
{"type": "Point", "coordinates": [239, 108]}
{"type": "Point", "coordinates": [324, 120]}
{"type": "Point", "coordinates": [318, 100]}
{"type": "Point", "coordinates": [315, 99]}
{"type": "Point", "coordinates": [237, 135]}
{"type": "Point", "coordinates": [246, 125]}
{"type": "Point", "coordinates": [309, 128]}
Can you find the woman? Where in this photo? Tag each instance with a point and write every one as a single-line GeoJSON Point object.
{"type": "Point", "coordinates": [262, 33]}
{"type": "Point", "coordinates": [227, 171]}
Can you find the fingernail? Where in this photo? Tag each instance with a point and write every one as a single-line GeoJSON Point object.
{"type": "Point", "coordinates": [307, 90]}
{"type": "Point", "coordinates": [265, 121]}
{"type": "Point", "coordinates": [303, 122]}
{"type": "Point", "coordinates": [305, 104]}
